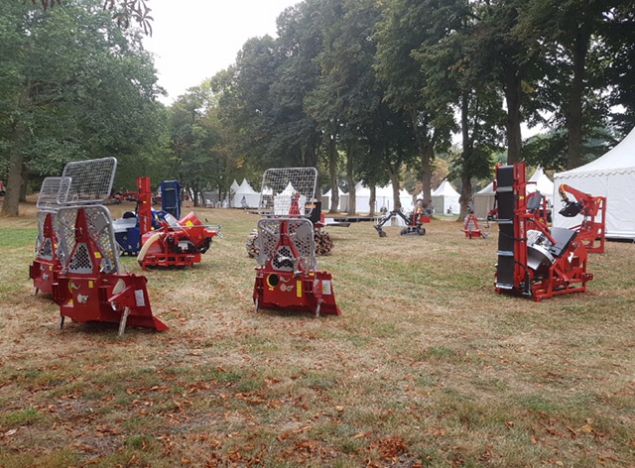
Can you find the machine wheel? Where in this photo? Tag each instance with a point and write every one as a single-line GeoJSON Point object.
{"type": "Point", "coordinates": [382, 233]}
{"type": "Point", "coordinates": [323, 243]}
{"type": "Point", "coordinates": [250, 245]}
{"type": "Point", "coordinates": [421, 231]}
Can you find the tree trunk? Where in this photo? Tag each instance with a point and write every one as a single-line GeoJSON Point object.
{"type": "Point", "coordinates": [394, 180]}
{"type": "Point", "coordinates": [426, 175]}
{"type": "Point", "coordinates": [350, 181]}
{"type": "Point", "coordinates": [11, 205]}
{"type": "Point", "coordinates": [24, 185]}
{"type": "Point", "coordinates": [468, 146]}
{"type": "Point", "coordinates": [427, 155]}
{"type": "Point", "coordinates": [574, 106]}
{"type": "Point", "coordinates": [193, 192]}
{"type": "Point", "coordinates": [335, 196]}
{"type": "Point", "coordinates": [372, 200]}
{"type": "Point", "coordinates": [513, 91]}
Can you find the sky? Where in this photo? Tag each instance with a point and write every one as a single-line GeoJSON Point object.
{"type": "Point", "coordinates": [194, 39]}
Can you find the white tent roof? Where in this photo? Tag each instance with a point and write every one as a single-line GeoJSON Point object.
{"type": "Point", "coordinates": [619, 160]}
{"type": "Point", "coordinates": [288, 190]}
{"type": "Point", "coordinates": [488, 189]}
{"type": "Point", "coordinates": [445, 189]}
{"type": "Point", "coordinates": [234, 186]}
{"type": "Point", "coordinates": [611, 176]}
{"type": "Point", "coordinates": [542, 183]}
{"type": "Point", "coordinates": [245, 188]}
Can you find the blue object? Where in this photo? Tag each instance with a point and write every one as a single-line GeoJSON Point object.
{"type": "Point", "coordinates": [171, 197]}
{"type": "Point", "coordinates": [128, 232]}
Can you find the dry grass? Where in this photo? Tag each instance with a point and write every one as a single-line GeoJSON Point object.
{"type": "Point", "coordinates": [426, 366]}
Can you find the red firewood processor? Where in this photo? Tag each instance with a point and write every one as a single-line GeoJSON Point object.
{"type": "Point", "coordinates": [535, 260]}
{"type": "Point", "coordinates": [287, 275]}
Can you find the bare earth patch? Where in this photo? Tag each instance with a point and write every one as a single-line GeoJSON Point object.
{"type": "Point", "coordinates": [426, 367]}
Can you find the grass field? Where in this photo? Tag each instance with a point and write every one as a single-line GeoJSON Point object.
{"type": "Point", "coordinates": [427, 366]}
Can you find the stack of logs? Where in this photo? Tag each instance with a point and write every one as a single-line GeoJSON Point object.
{"type": "Point", "coordinates": [323, 243]}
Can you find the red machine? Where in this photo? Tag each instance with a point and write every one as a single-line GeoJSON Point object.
{"type": "Point", "coordinates": [472, 228]}
{"type": "Point", "coordinates": [46, 266]}
{"type": "Point", "coordinates": [287, 276]}
{"type": "Point", "coordinates": [591, 232]}
{"type": "Point", "coordinates": [89, 286]}
{"type": "Point", "coordinates": [90, 290]}
{"type": "Point", "coordinates": [537, 261]}
{"type": "Point", "coordinates": [177, 243]}
{"type": "Point", "coordinates": [161, 240]}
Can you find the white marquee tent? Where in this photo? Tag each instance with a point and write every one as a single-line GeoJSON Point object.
{"type": "Point", "coordinates": [362, 198]}
{"type": "Point", "coordinates": [542, 183]}
{"type": "Point", "coordinates": [611, 176]}
{"type": "Point", "coordinates": [384, 198]}
{"type": "Point", "coordinates": [282, 201]}
{"type": "Point", "coordinates": [342, 204]}
{"type": "Point", "coordinates": [484, 201]}
{"type": "Point", "coordinates": [445, 199]}
{"type": "Point", "coordinates": [248, 194]}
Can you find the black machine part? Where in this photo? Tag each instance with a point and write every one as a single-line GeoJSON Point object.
{"type": "Point", "coordinates": [541, 253]}
{"type": "Point", "coordinates": [571, 209]}
{"type": "Point", "coordinates": [410, 229]}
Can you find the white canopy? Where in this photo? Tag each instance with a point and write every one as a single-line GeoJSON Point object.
{"type": "Point", "coordinates": [245, 196]}
{"type": "Point", "coordinates": [234, 186]}
{"type": "Point", "coordinates": [342, 197]}
{"type": "Point", "coordinates": [282, 202]}
{"type": "Point", "coordinates": [384, 198]}
{"type": "Point", "coordinates": [445, 199]}
{"type": "Point", "coordinates": [542, 183]}
{"type": "Point", "coordinates": [484, 200]}
{"type": "Point", "coordinates": [611, 176]}
{"type": "Point", "coordinates": [362, 198]}
{"type": "Point", "coordinates": [288, 190]}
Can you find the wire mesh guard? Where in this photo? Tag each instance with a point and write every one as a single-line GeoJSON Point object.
{"type": "Point", "coordinates": [100, 230]}
{"type": "Point", "coordinates": [41, 250]}
{"type": "Point", "coordinates": [281, 187]}
{"type": "Point", "coordinates": [52, 190]}
{"type": "Point", "coordinates": [301, 235]}
{"type": "Point", "coordinates": [91, 181]}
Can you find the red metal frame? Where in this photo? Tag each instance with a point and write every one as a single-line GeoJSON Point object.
{"type": "Point", "coordinates": [591, 231]}
{"type": "Point", "coordinates": [164, 249]}
{"type": "Point", "coordinates": [472, 228]}
{"type": "Point", "coordinates": [144, 204]}
{"type": "Point", "coordinates": [302, 289]}
{"type": "Point", "coordinates": [43, 271]}
{"type": "Point", "coordinates": [568, 274]}
{"type": "Point", "coordinates": [95, 296]}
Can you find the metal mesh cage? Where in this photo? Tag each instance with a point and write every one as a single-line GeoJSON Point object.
{"type": "Point", "coordinates": [281, 187]}
{"type": "Point", "coordinates": [52, 190]}
{"type": "Point", "coordinates": [41, 219]}
{"type": "Point", "coordinates": [300, 234]}
{"type": "Point", "coordinates": [91, 181]}
{"type": "Point", "coordinates": [100, 230]}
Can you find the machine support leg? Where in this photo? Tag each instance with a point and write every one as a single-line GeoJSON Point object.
{"type": "Point", "coordinates": [124, 319]}
{"type": "Point", "coordinates": [37, 290]}
{"type": "Point", "coordinates": [61, 322]}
